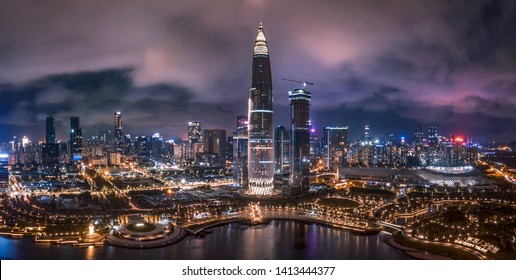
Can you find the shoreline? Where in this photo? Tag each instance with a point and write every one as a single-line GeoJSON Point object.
{"type": "Point", "coordinates": [415, 253]}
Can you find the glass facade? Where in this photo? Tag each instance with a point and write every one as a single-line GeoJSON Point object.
{"type": "Point", "coordinates": [300, 148]}
{"type": "Point", "coordinates": [261, 121]}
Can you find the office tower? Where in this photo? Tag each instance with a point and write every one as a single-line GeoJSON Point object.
{"type": "Point", "coordinates": [418, 135]}
{"type": "Point", "coordinates": [229, 148]}
{"type": "Point", "coordinates": [194, 139]}
{"type": "Point", "coordinates": [141, 146]}
{"type": "Point", "coordinates": [432, 137]}
{"type": "Point", "coordinates": [50, 131]}
{"type": "Point", "coordinates": [156, 145]}
{"type": "Point", "coordinates": [261, 120]}
{"type": "Point", "coordinates": [127, 145]}
{"type": "Point", "coordinates": [314, 145]}
{"type": "Point", "coordinates": [335, 143]}
{"type": "Point", "coordinates": [119, 136]}
{"type": "Point", "coordinates": [212, 149]}
{"type": "Point", "coordinates": [4, 170]}
{"type": "Point", "coordinates": [281, 149]}
{"type": "Point", "coordinates": [300, 138]}
{"type": "Point", "coordinates": [50, 150]}
{"type": "Point", "coordinates": [194, 132]}
{"type": "Point", "coordinates": [107, 138]}
{"type": "Point", "coordinates": [214, 141]}
{"type": "Point", "coordinates": [75, 140]}
{"type": "Point", "coordinates": [240, 142]}
{"type": "Point", "coordinates": [367, 134]}
{"type": "Point", "coordinates": [50, 154]}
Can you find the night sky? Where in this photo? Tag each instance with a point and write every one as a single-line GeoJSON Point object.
{"type": "Point", "coordinates": [390, 64]}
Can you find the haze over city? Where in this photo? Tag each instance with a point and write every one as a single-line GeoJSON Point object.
{"type": "Point", "coordinates": [389, 64]}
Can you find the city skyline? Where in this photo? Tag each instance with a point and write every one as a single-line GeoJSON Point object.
{"type": "Point", "coordinates": [353, 130]}
{"type": "Point", "coordinates": [418, 65]}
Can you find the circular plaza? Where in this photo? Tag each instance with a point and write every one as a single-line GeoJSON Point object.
{"type": "Point", "coordinates": [141, 235]}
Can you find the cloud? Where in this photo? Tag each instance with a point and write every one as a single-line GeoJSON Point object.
{"type": "Point", "coordinates": [95, 96]}
{"type": "Point", "coordinates": [166, 62]}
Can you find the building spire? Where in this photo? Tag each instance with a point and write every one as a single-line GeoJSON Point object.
{"type": "Point", "coordinates": [260, 46]}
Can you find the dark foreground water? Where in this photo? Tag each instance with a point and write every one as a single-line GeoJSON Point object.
{"type": "Point", "coordinates": [283, 240]}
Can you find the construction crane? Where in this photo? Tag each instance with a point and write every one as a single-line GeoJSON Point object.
{"type": "Point", "coordinates": [299, 82]}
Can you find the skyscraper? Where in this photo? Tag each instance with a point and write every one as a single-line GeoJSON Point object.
{"type": "Point", "coordinates": [300, 138]}
{"type": "Point", "coordinates": [418, 135]}
{"type": "Point", "coordinates": [367, 134]}
{"type": "Point", "coordinates": [281, 149]}
{"type": "Point", "coordinates": [261, 120]}
{"type": "Point", "coordinates": [314, 143]}
{"type": "Point", "coordinates": [194, 132]}
{"type": "Point", "coordinates": [50, 150]}
{"type": "Point", "coordinates": [240, 169]}
{"type": "Point", "coordinates": [335, 145]}
{"type": "Point", "coordinates": [50, 131]}
{"type": "Point", "coordinates": [4, 170]}
{"type": "Point", "coordinates": [194, 140]}
{"type": "Point", "coordinates": [75, 140]}
{"type": "Point", "coordinates": [119, 136]}
{"type": "Point", "coordinates": [215, 141]}
{"type": "Point", "coordinates": [156, 145]}
{"type": "Point", "coordinates": [432, 136]}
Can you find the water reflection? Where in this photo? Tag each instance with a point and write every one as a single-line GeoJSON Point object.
{"type": "Point", "coordinates": [280, 240]}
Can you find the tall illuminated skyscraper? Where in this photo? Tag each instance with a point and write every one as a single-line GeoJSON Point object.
{"type": "Point", "coordinates": [418, 135]}
{"type": "Point", "coordinates": [240, 167]}
{"type": "Point", "coordinates": [281, 149]}
{"type": "Point", "coordinates": [432, 136]}
{"type": "Point", "coordinates": [367, 134]}
{"type": "Point", "coordinates": [261, 120]}
{"type": "Point", "coordinates": [119, 136]}
{"type": "Point", "coordinates": [194, 132]}
{"type": "Point", "coordinates": [194, 139]}
{"type": "Point", "coordinates": [75, 140]}
{"type": "Point", "coordinates": [300, 139]}
{"type": "Point", "coordinates": [50, 130]}
{"type": "Point", "coordinates": [335, 143]}
{"type": "Point", "coordinates": [4, 170]}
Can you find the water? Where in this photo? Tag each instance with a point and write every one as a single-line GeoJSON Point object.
{"type": "Point", "coordinates": [285, 240]}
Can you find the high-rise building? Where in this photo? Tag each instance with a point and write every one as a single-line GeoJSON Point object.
{"type": "Point", "coordinates": [335, 143]}
{"type": "Point", "coordinates": [50, 150]}
{"type": "Point", "coordinates": [261, 120]}
{"type": "Point", "coordinates": [314, 143]}
{"type": "Point", "coordinates": [127, 144]}
{"type": "Point", "coordinates": [418, 135]}
{"type": "Point", "coordinates": [194, 132]}
{"type": "Point", "coordinates": [214, 148]}
{"type": "Point", "coordinates": [194, 139]}
{"type": "Point", "coordinates": [229, 148]}
{"type": "Point", "coordinates": [300, 138]}
{"type": "Point", "coordinates": [367, 134]}
{"type": "Point", "coordinates": [119, 136]}
{"type": "Point", "coordinates": [215, 143]}
{"type": "Point", "coordinates": [156, 145]}
{"type": "Point", "coordinates": [281, 149]}
{"type": "Point", "coordinates": [4, 170]}
{"type": "Point", "coordinates": [141, 146]}
{"type": "Point", "coordinates": [50, 154]}
{"type": "Point", "coordinates": [50, 131]}
{"type": "Point", "coordinates": [75, 140]}
{"type": "Point", "coordinates": [432, 136]}
{"type": "Point", "coordinates": [240, 169]}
